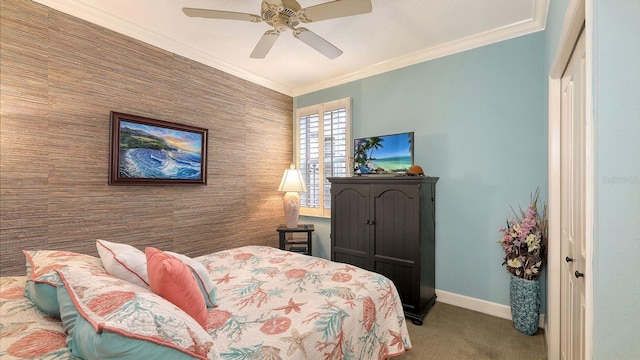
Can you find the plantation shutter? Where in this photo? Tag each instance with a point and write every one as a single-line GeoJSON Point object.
{"type": "Point", "coordinates": [310, 160]}
{"type": "Point", "coordinates": [323, 150]}
{"type": "Point", "coordinates": [335, 146]}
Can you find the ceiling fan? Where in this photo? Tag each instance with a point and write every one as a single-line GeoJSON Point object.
{"type": "Point", "coordinates": [283, 14]}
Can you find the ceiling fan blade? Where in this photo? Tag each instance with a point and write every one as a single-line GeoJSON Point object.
{"type": "Point", "coordinates": [264, 45]}
{"type": "Point", "coordinates": [217, 14]}
{"type": "Point", "coordinates": [321, 45]}
{"type": "Point", "coordinates": [335, 9]}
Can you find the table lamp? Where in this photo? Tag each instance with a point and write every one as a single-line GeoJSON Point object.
{"type": "Point", "coordinates": [291, 184]}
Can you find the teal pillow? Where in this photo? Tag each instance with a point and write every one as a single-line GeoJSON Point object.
{"type": "Point", "coordinates": [44, 297]}
{"type": "Point", "coordinates": [88, 344]}
{"type": "Point", "coordinates": [109, 318]}
{"type": "Point", "coordinates": [42, 278]}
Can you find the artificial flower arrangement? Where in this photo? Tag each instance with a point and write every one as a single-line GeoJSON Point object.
{"type": "Point", "coordinates": [524, 241]}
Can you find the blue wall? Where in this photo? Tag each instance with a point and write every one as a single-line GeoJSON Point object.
{"type": "Point", "coordinates": [616, 101]}
{"type": "Point", "coordinates": [555, 19]}
{"type": "Point", "coordinates": [478, 116]}
{"type": "Point", "coordinates": [480, 125]}
{"type": "Point", "coordinates": [616, 121]}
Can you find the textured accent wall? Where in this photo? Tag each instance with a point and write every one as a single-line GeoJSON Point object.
{"type": "Point", "coordinates": [61, 77]}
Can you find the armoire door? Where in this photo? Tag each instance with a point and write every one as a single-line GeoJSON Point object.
{"type": "Point", "coordinates": [350, 225]}
{"type": "Point", "coordinates": [396, 238]}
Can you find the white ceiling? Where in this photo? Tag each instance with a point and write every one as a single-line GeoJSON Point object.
{"type": "Point", "coordinates": [395, 34]}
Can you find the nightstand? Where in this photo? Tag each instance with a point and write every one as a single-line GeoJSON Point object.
{"type": "Point", "coordinates": [294, 240]}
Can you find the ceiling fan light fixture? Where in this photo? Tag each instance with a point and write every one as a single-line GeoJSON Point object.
{"type": "Point", "coordinates": [280, 23]}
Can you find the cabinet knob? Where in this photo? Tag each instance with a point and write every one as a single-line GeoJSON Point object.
{"type": "Point", "coordinates": [568, 259]}
{"type": "Point", "coordinates": [578, 274]}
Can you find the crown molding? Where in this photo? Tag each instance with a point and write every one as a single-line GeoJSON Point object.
{"type": "Point", "coordinates": [98, 17]}
{"type": "Point", "coordinates": [535, 24]}
{"type": "Point", "coordinates": [95, 16]}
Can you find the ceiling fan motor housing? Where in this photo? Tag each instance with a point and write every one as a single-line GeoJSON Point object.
{"type": "Point", "coordinates": [281, 17]}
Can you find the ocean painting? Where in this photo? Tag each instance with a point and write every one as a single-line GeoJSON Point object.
{"type": "Point", "coordinates": [147, 151]}
{"type": "Point", "coordinates": [153, 152]}
{"type": "Point", "coordinates": [383, 154]}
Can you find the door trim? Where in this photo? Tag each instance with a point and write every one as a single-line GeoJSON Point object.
{"type": "Point", "coordinates": [578, 12]}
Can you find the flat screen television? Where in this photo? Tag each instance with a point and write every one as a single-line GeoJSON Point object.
{"type": "Point", "coordinates": [384, 154]}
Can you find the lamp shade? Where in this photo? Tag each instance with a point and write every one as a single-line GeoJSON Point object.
{"type": "Point", "coordinates": [292, 181]}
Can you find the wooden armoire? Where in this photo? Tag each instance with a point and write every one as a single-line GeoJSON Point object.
{"type": "Point", "coordinates": [386, 224]}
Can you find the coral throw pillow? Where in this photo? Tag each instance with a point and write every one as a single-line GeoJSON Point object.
{"type": "Point", "coordinates": [170, 278]}
{"type": "Point", "coordinates": [201, 274]}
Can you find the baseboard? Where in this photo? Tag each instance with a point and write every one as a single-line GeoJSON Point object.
{"type": "Point", "coordinates": [485, 307]}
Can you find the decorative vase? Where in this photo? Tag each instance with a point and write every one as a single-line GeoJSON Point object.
{"type": "Point", "coordinates": [525, 304]}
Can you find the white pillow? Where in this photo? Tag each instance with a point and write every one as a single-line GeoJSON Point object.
{"type": "Point", "coordinates": [124, 262]}
{"type": "Point", "coordinates": [201, 274]}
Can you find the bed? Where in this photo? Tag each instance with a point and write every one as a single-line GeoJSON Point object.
{"type": "Point", "coordinates": [261, 303]}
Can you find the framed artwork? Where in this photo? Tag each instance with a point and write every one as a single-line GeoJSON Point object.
{"type": "Point", "coordinates": [147, 151]}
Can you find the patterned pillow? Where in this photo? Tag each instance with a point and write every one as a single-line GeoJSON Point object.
{"type": "Point", "coordinates": [124, 261]}
{"type": "Point", "coordinates": [109, 318]}
{"type": "Point", "coordinates": [202, 276]}
{"type": "Point", "coordinates": [170, 278]}
{"type": "Point", "coordinates": [42, 278]}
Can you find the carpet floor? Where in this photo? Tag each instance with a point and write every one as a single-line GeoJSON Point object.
{"type": "Point", "coordinates": [451, 332]}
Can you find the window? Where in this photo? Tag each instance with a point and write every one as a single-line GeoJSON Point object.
{"type": "Point", "coordinates": [323, 147]}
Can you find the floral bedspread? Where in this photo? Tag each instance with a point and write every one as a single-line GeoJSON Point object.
{"type": "Point", "coordinates": [272, 305]}
{"type": "Point", "coordinates": [25, 332]}
{"type": "Point", "coordinates": [275, 304]}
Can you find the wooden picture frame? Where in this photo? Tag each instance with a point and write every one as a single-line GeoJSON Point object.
{"type": "Point", "coordinates": [147, 151]}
